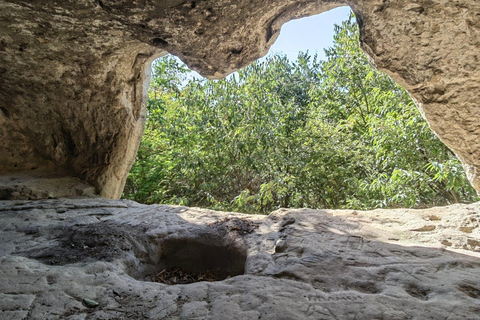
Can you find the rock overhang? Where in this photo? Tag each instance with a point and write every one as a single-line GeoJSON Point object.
{"type": "Point", "coordinates": [74, 74]}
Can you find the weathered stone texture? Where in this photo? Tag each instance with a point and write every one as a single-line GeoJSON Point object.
{"type": "Point", "coordinates": [299, 264]}
{"type": "Point", "coordinates": [71, 93]}
{"type": "Point", "coordinates": [43, 185]}
{"type": "Point", "coordinates": [432, 48]}
{"type": "Point", "coordinates": [73, 74]}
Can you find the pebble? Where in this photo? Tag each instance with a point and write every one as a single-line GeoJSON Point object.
{"type": "Point", "coordinates": [90, 303]}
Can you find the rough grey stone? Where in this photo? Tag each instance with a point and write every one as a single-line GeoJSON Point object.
{"type": "Point", "coordinates": [43, 185]}
{"type": "Point", "coordinates": [333, 264]}
{"type": "Point", "coordinates": [74, 74]}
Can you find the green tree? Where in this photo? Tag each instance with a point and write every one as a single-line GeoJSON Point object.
{"type": "Point", "coordinates": [323, 134]}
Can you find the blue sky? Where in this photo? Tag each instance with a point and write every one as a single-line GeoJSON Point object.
{"type": "Point", "coordinates": [312, 33]}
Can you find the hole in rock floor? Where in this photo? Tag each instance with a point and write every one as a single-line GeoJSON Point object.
{"type": "Point", "coordinates": [183, 261]}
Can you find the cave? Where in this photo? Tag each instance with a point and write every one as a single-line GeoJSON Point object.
{"type": "Point", "coordinates": [74, 80]}
{"type": "Point", "coordinates": [73, 87]}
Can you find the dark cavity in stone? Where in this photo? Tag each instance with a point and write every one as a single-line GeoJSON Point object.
{"type": "Point", "coordinates": [181, 261]}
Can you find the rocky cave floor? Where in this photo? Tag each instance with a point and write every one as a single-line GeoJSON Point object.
{"type": "Point", "coordinates": [97, 259]}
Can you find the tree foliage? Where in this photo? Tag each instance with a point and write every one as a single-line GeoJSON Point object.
{"type": "Point", "coordinates": [331, 133]}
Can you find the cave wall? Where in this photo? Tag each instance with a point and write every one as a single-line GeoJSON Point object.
{"type": "Point", "coordinates": [432, 49]}
{"type": "Point", "coordinates": [74, 74]}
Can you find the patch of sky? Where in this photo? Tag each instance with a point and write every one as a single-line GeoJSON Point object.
{"type": "Point", "coordinates": [312, 34]}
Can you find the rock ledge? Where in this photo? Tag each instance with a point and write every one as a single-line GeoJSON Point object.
{"type": "Point", "coordinates": [293, 264]}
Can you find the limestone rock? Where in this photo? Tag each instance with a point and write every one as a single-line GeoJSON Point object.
{"type": "Point", "coordinates": [43, 185]}
{"type": "Point", "coordinates": [292, 264]}
{"type": "Point", "coordinates": [74, 74]}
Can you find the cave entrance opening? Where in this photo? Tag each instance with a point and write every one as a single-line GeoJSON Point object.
{"type": "Point", "coordinates": [317, 130]}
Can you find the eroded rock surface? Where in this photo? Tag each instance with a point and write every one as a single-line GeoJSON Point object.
{"type": "Point", "coordinates": [293, 264]}
{"type": "Point", "coordinates": [43, 185]}
{"type": "Point", "coordinates": [74, 74]}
